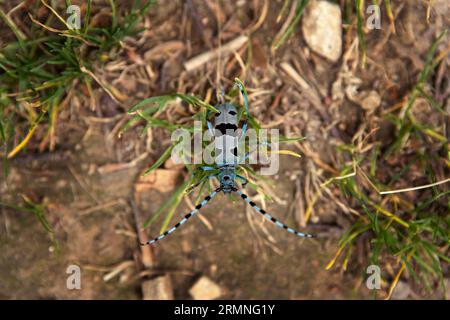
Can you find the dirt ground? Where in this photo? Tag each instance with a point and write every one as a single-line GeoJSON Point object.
{"type": "Point", "coordinates": [97, 238]}
{"type": "Point", "coordinates": [92, 181]}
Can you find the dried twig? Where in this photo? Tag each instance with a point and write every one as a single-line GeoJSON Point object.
{"type": "Point", "coordinates": [295, 76]}
{"type": "Point", "coordinates": [148, 257]}
{"type": "Point", "coordinates": [416, 188]}
{"type": "Point", "coordinates": [226, 49]}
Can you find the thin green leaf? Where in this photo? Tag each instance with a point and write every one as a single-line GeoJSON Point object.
{"type": "Point", "coordinates": [301, 4]}
{"type": "Point", "coordinates": [161, 159]}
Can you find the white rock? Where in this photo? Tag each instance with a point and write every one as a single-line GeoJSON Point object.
{"type": "Point", "coordinates": [322, 29]}
{"type": "Point", "coordinates": [371, 101]}
{"type": "Point", "coordinates": [205, 289]}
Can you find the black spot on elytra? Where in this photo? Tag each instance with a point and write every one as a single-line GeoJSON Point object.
{"type": "Point", "coordinates": [223, 127]}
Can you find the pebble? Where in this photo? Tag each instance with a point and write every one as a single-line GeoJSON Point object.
{"type": "Point", "coordinates": [205, 289]}
{"type": "Point", "coordinates": [159, 288]}
{"type": "Point", "coordinates": [322, 29]}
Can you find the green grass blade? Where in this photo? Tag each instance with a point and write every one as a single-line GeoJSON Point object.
{"type": "Point", "coordinates": [113, 14]}
{"type": "Point", "coordinates": [301, 4]}
{"type": "Point", "coordinates": [360, 31]}
{"type": "Point", "coordinates": [293, 139]}
{"type": "Point", "coordinates": [87, 18]}
{"type": "Point", "coordinates": [161, 159]}
{"type": "Point", "coordinates": [178, 196]}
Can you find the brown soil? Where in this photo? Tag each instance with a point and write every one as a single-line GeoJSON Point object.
{"type": "Point", "coordinates": [88, 183]}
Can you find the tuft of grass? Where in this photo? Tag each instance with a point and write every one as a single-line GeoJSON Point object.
{"type": "Point", "coordinates": [40, 70]}
{"type": "Point", "coordinates": [407, 236]}
{"type": "Point", "coordinates": [412, 236]}
{"type": "Point", "coordinates": [301, 5]}
{"type": "Point", "coordinates": [405, 122]}
{"type": "Point", "coordinates": [430, 65]}
{"type": "Point", "coordinates": [38, 209]}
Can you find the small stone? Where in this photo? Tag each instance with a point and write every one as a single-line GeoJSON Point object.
{"type": "Point", "coordinates": [205, 289]}
{"type": "Point", "coordinates": [170, 164]}
{"type": "Point", "coordinates": [371, 101]}
{"type": "Point", "coordinates": [159, 288]}
{"type": "Point", "coordinates": [60, 184]}
{"type": "Point", "coordinates": [163, 180]}
{"type": "Point", "coordinates": [322, 29]}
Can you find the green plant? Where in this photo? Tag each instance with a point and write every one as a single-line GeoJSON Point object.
{"type": "Point", "coordinates": [414, 235]}
{"type": "Point", "coordinates": [150, 109]}
{"type": "Point", "coordinates": [301, 5]}
{"type": "Point", "coordinates": [38, 209]}
{"type": "Point", "coordinates": [42, 70]}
